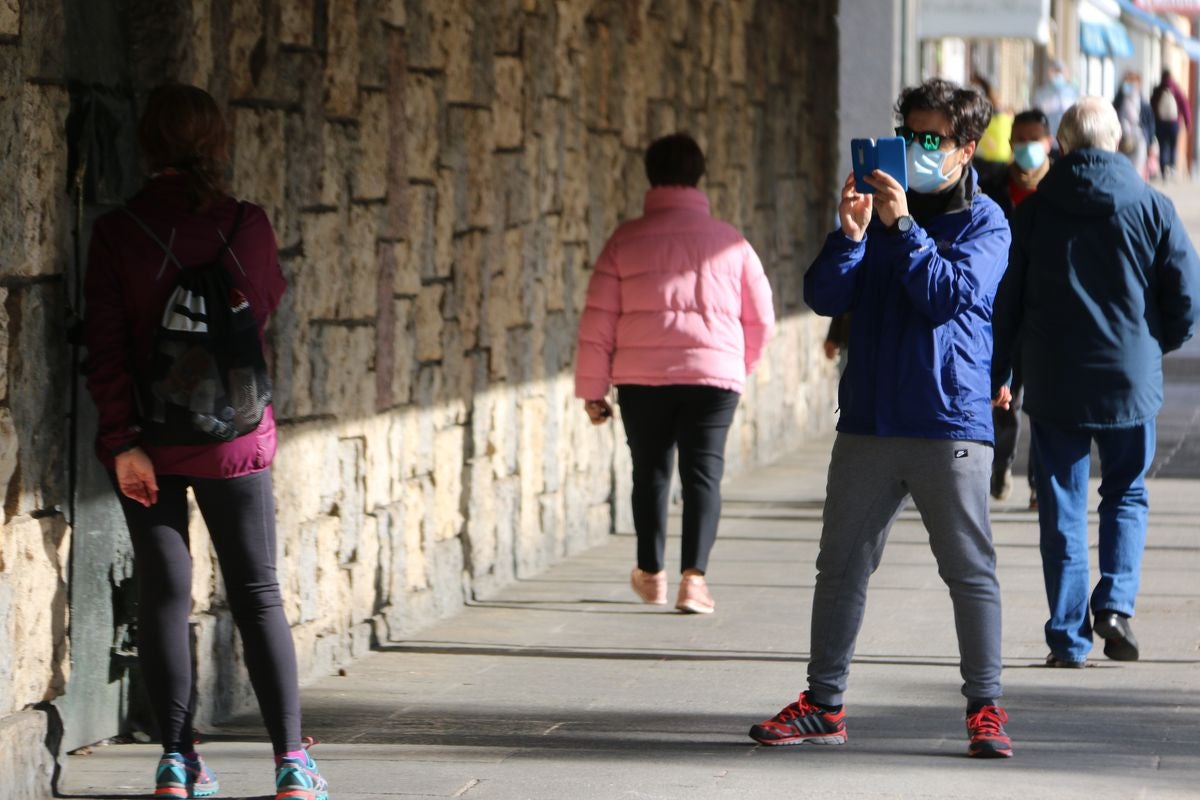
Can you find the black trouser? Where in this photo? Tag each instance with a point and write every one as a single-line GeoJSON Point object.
{"type": "Point", "coordinates": [1007, 425]}
{"type": "Point", "coordinates": [657, 419]}
{"type": "Point", "coordinates": [240, 515]}
{"type": "Point", "coordinates": [1167, 134]}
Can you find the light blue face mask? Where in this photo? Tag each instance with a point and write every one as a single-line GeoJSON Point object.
{"type": "Point", "coordinates": [1029, 155]}
{"type": "Point", "coordinates": [925, 168]}
{"type": "Point", "coordinates": [1128, 88]}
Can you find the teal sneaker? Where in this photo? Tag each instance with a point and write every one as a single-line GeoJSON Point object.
{"type": "Point", "coordinates": [183, 778]}
{"type": "Point", "coordinates": [299, 779]}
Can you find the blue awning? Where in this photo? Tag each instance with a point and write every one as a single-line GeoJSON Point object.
{"type": "Point", "coordinates": [1191, 47]}
{"type": "Point", "coordinates": [1145, 17]}
{"type": "Point", "coordinates": [1119, 45]}
{"type": "Point", "coordinates": [1092, 40]}
{"type": "Point", "coordinates": [1188, 44]}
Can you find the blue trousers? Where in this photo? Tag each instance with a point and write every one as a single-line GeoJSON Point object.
{"type": "Point", "coordinates": [1063, 458]}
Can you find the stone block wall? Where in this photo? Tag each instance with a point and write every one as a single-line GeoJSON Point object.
{"type": "Point", "coordinates": [34, 537]}
{"type": "Point", "coordinates": [441, 175]}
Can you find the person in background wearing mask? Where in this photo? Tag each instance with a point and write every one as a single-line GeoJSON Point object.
{"type": "Point", "coordinates": [1137, 121]}
{"type": "Point", "coordinates": [1056, 95]}
{"type": "Point", "coordinates": [1102, 281]}
{"type": "Point", "coordinates": [1170, 106]}
{"type": "Point", "coordinates": [918, 270]}
{"type": "Point", "coordinates": [1031, 146]}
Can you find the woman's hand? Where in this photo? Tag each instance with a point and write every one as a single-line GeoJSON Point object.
{"type": "Point", "coordinates": [1003, 398]}
{"type": "Point", "coordinates": [598, 411]}
{"type": "Point", "coordinates": [135, 476]}
{"type": "Point", "coordinates": [854, 210]}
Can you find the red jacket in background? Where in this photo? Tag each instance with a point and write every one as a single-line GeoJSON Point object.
{"type": "Point", "coordinates": [128, 280]}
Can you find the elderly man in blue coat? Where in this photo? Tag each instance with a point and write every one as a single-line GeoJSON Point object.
{"type": "Point", "coordinates": [918, 271]}
{"type": "Point", "coordinates": [1102, 281]}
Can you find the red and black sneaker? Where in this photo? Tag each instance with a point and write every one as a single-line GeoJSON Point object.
{"type": "Point", "coordinates": [986, 729]}
{"type": "Point", "coordinates": [802, 722]}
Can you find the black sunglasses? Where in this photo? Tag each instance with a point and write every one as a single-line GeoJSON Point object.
{"type": "Point", "coordinates": [928, 139]}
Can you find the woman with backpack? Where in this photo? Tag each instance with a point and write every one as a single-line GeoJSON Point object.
{"type": "Point", "coordinates": [175, 412]}
{"type": "Point", "coordinates": [1170, 107]}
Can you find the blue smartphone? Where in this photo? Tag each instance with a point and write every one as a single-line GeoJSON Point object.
{"type": "Point", "coordinates": [886, 153]}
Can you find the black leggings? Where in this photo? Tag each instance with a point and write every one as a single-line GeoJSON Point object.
{"type": "Point", "coordinates": [657, 419]}
{"type": "Point", "coordinates": [240, 515]}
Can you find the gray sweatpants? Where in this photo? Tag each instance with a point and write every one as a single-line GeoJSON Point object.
{"type": "Point", "coordinates": [870, 479]}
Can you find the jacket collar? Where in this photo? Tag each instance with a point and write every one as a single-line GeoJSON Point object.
{"type": "Point", "coordinates": [661, 198]}
{"type": "Point", "coordinates": [925, 207]}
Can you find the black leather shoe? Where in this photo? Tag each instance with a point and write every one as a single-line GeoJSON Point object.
{"type": "Point", "coordinates": [1117, 633]}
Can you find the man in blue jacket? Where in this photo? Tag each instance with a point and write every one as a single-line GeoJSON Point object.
{"type": "Point", "coordinates": [918, 271]}
{"type": "Point", "coordinates": [1102, 281]}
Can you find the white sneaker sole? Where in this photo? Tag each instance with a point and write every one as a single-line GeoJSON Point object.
{"type": "Point", "coordinates": [818, 740]}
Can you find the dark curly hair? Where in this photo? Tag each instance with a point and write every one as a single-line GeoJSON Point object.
{"type": "Point", "coordinates": [1035, 116]}
{"type": "Point", "coordinates": [182, 128]}
{"type": "Point", "coordinates": [674, 160]}
{"type": "Point", "coordinates": [968, 110]}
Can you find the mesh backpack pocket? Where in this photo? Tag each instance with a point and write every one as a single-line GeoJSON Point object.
{"type": "Point", "coordinates": [207, 380]}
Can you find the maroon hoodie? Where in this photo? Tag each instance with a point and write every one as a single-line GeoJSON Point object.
{"type": "Point", "coordinates": [1181, 101]}
{"type": "Point", "coordinates": [128, 280]}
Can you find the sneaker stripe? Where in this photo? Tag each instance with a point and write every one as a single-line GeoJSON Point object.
{"type": "Point", "coordinates": [816, 723]}
{"type": "Point", "coordinates": [800, 723]}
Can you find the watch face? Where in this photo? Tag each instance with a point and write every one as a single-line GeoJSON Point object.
{"type": "Point", "coordinates": [904, 224]}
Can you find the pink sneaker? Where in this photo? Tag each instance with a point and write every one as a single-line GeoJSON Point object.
{"type": "Point", "coordinates": [650, 586]}
{"type": "Point", "coordinates": [694, 597]}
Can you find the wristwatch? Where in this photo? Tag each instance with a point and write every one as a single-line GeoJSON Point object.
{"type": "Point", "coordinates": [901, 226]}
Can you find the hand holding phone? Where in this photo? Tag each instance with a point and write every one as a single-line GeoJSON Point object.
{"type": "Point", "coordinates": [887, 153]}
{"type": "Point", "coordinates": [854, 210]}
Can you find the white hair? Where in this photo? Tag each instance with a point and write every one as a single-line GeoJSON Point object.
{"type": "Point", "coordinates": [1091, 122]}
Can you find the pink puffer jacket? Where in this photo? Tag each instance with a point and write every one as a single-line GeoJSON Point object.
{"type": "Point", "coordinates": [677, 297]}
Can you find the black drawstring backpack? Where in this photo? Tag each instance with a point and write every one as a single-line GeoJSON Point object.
{"type": "Point", "coordinates": [207, 380]}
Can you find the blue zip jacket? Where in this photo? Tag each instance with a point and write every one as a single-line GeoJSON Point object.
{"type": "Point", "coordinates": [920, 346]}
{"type": "Point", "coordinates": [1102, 281]}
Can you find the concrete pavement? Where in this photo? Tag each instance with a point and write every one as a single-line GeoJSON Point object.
{"type": "Point", "coordinates": [562, 686]}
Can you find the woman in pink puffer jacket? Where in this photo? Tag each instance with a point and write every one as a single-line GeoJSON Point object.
{"type": "Point", "coordinates": [678, 312]}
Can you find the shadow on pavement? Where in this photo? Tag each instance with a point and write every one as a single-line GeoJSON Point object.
{"type": "Point", "coordinates": [1046, 723]}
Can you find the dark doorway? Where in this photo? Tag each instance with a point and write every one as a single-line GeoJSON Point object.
{"type": "Point", "coordinates": [103, 171]}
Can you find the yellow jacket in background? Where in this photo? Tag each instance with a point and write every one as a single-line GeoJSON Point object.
{"type": "Point", "coordinates": [994, 146]}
